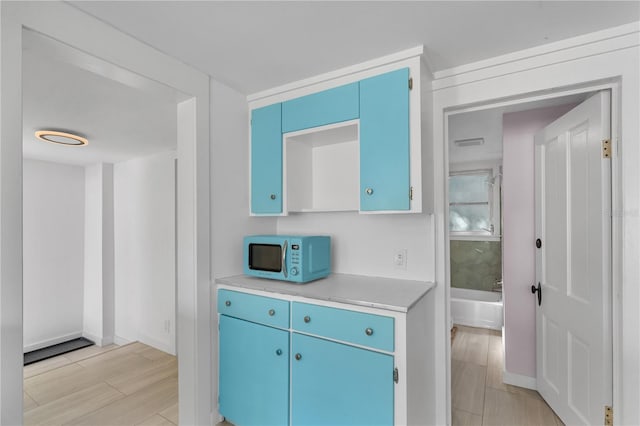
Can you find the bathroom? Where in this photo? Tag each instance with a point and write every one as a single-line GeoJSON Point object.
{"type": "Point", "coordinates": [475, 218]}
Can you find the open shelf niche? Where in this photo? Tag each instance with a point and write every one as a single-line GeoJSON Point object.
{"type": "Point", "coordinates": [322, 168]}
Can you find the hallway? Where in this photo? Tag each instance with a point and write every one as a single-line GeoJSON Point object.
{"type": "Point", "coordinates": [478, 396]}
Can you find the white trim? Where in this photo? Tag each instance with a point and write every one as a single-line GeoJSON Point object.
{"type": "Point", "coordinates": [50, 342]}
{"type": "Point", "coordinates": [121, 341]}
{"type": "Point", "coordinates": [158, 344]}
{"type": "Point", "coordinates": [615, 65]}
{"type": "Point", "coordinates": [374, 63]}
{"type": "Point", "coordinates": [99, 341]}
{"type": "Point", "coordinates": [519, 380]}
{"type": "Point", "coordinates": [522, 55]}
{"type": "Point", "coordinates": [553, 58]}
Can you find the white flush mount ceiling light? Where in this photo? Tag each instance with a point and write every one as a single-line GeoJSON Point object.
{"type": "Point", "coordinates": [61, 138]}
{"type": "Point", "coordinates": [468, 142]}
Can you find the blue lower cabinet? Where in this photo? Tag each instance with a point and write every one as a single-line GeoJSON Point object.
{"type": "Point", "coordinates": [336, 384]}
{"type": "Point", "coordinates": [254, 373]}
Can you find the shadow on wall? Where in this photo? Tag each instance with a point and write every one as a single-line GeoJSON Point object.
{"type": "Point", "coordinates": [475, 265]}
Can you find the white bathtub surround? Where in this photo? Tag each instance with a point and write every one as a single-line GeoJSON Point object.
{"type": "Point", "coordinates": [477, 308]}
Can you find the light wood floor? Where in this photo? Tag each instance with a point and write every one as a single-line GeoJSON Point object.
{"type": "Point", "coordinates": [478, 395]}
{"type": "Point", "coordinates": [132, 384]}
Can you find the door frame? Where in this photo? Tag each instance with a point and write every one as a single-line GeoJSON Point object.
{"type": "Point", "coordinates": [614, 85]}
{"type": "Point", "coordinates": [133, 60]}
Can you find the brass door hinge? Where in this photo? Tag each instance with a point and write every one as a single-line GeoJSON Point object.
{"type": "Point", "coordinates": [608, 415]}
{"type": "Point", "coordinates": [410, 83]}
{"type": "Point", "coordinates": [395, 375]}
{"type": "Point", "coordinates": [606, 148]}
{"type": "Point", "coordinates": [411, 193]}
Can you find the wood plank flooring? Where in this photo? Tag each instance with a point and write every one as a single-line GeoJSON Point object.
{"type": "Point", "coordinates": [138, 385]}
{"type": "Point", "coordinates": [478, 396]}
{"type": "Point", "coordinates": [133, 384]}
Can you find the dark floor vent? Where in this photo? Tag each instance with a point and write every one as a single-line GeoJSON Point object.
{"type": "Point", "coordinates": [55, 350]}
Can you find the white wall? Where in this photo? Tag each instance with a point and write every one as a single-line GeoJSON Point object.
{"type": "Point", "coordinates": [53, 238]}
{"type": "Point", "coordinates": [365, 244]}
{"type": "Point", "coordinates": [230, 220]}
{"type": "Point", "coordinates": [145, 244]}
{"type": "Point", "coordinates": [609, 55]}
{"type": "Point", "coordinates": [98, 308]}
{"type": "Point", "coordinates": [519, 253]}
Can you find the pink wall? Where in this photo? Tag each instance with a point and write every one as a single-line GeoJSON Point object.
{"type": "Point", "coordinates": [519, 129]}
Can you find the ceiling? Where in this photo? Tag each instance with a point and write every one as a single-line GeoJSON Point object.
{"type": "Point", "coordinates": [254, 46]}
{"type": "Point", "coordinates": [487, 124]}
{"type": "Point", "coordinates": [120, 122]}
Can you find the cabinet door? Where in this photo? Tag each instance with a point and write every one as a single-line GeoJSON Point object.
{"type": "Point", "coordinates": [254, 373]}
{"type": "Point", "coordinates": [266, 160]}
{"type": "Point", "coordinates": [384, 142]}
{"type": "Point", "coordinates": [326, 107]}
{"type": "Point", "coordinates": [336, 384]}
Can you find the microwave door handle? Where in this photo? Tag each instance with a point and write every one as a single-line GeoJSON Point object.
{"type": "Point", "coordinates": [284, 258]}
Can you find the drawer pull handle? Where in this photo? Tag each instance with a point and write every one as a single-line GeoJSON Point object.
{"type": "Point", "coordinates": [368, 331]}
{"type": "Point", "coordinates": [227, 303]}
{"type": "Point", "coordinates": [272, 312]}
{"type": "Point", "coordinates": [272, 196]}
{"type": "Point", "coordinates": [298, 357]}
{"type": "Point", "coordinates": [307, 319]}
{"type": "Point", "coordinates": [278, 352]}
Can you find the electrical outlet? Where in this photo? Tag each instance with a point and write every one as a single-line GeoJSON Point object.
{"type": "Point", "coordinates": [400, 259]}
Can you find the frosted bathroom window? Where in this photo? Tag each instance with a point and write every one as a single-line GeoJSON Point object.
{"type": "Point", "coordinates": [470, 196]}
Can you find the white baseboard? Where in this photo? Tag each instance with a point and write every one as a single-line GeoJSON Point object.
{"type": "Point", "coordinates": [50, 342]}
{"type": "Point", "coordinates": [158, 344]}
{"type": "Point", "coordinates": [97, 340]}
{"type": "Point", "coordinates": [120, 341]}
{"type": "Point", "coordinates": [519, 380]}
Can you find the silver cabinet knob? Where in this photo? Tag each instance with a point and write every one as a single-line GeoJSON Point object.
{"type": "Point", "coordinates": [227, 303]}
{"type": "Point", "coordinates": [298, 357]}
{"type": "Point", "coordinates": [272, 312]}
{"type": "Point", "coordinates": [307, 319]}
{"type": "Point", "coordinates": [278, 352]}
{"type": "Point", "coordinates": [368, 331]}
{"type": "Point", "coordinates": [272, 196]}
{"type": "Point", "coordinates": [369, 191]}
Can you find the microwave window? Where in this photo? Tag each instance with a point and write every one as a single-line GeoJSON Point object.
{"type": "Point", "coordinates": [265, 257]}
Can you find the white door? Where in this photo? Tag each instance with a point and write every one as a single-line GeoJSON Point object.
{"type": "Point", "coordinates": [573, 223]}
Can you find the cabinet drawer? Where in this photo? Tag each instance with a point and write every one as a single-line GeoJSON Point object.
{"type": "Point", "coordinates": [263, 310]}
{"type": "Point", "coordinates": [318, 109]}
{"type": "Point", "coordinates": [371, 330]}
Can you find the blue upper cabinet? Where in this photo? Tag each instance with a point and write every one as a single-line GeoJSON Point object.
{"type": "Point", "coordinates": [266, 160]}
{"type": "Point", "coordinates": [326, 107]}
{"type": "Point", "coordinates": [384, 142]}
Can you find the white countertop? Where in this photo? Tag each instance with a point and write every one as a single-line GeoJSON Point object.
{"type": "Point", "coordinates": [382, 293]}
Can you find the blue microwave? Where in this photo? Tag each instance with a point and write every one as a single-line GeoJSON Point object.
{"type": "Point", "coordinates": [294, 258]}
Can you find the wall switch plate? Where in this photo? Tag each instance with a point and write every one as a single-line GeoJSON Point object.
{"type": "Point", "coordinates": [400, 259]}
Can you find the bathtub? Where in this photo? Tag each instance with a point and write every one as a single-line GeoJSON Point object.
{"type": "Point", "coordinates": [476, 308]}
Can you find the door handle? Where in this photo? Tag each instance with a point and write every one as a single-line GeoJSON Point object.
{"type": "Point", "coordinates": [538, 289]}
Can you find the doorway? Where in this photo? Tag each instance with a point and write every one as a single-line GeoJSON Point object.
{"type": "Point", "coordinates": [518, 123]}
{"type": "Point", "coordinates": [191, 91]}
{"type": "Point", "coordinates": [100, 264]}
